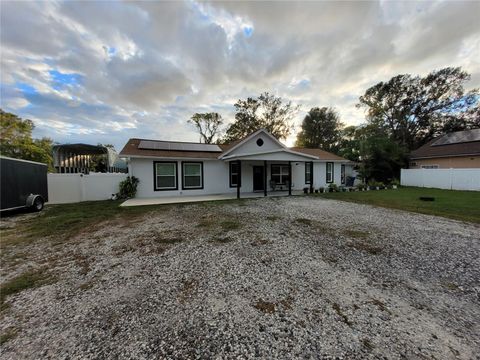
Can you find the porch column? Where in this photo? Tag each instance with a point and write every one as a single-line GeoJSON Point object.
{"type": "Point", "coordinates": [265, 178]}
{"type": "Point", "coordinates": [311, 177]}
{"type": "Point", "coordinates": [289, 178]}
{"type": "Point", "coordinates": [239, 178]}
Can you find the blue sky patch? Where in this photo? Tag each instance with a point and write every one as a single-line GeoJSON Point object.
{"type": "Point", "coordinates": [25, 88]}
{"type": "Point", "coordinates": [248, 31]}
{"type": "Point", "coordinates": [60, 80]}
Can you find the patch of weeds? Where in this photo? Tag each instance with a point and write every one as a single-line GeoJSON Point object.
{"type": "Point", "coordinates": [83, 263]}
{"type": "Point", "coordinates": [367, 344]}
{"type": "Point", "coordinates": [7, 335]}
{"type": "Point", "coordinates": [229, 225]}
{"type": "Point", "coordinates": [330, 258]}
{"type": "Point", "coordinates": [259, 241]}
{"type": "Point", "coordinates": [340, 313]}
{"type": "Point", "coordinates": [87, 285]}
{"type": "Point", "coordinates": [365, 247]}
{"type": "Point", "coordinates": [206, 222]}
{"type": "Point", "coordinates": [265, 306]}
{"type": "Point", "coordinates": [287, 302]}
{"type": "Point", "coordinates": [27, 280]}
{"type": "Point", "coordinates": [273, 218]}
{"type": "Point", "coordinates": [381, 305]}
{"type": "Point", "coordinates": [222, 239]}
{"type": "Point", "coordinates": [187, 290]}
{"type": "Point", "coordinates": [304, 221]}
{"type": "Point", "coordinates": [450, 285]}
{"type": "Point", "coordinates": [167, 237]}
{"type": "Point", "coordinates": [356, 234]}
{"type": "Point", "coordinates": [123, 249]}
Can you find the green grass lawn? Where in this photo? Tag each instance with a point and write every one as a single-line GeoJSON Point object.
{"type": "Point", "coordinates": [458, 205]}
{"type": "Point", "coordinates": [63, 221]}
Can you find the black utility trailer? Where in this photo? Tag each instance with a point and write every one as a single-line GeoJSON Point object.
{"type": "Point", "coordinates": [23, 184]}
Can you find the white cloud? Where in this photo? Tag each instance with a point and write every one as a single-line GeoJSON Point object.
{"type": "Point", "coordinates": [146, 67]}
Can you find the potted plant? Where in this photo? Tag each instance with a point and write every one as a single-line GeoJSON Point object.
{"type": "Point", "coordinates": [332, 187]}
{"type": "Point", "coordinates": [321, 189]}
{"type": "Point", "coordinates": [305, 190]}
{"type": "Point", "coordinates": [395, 184]}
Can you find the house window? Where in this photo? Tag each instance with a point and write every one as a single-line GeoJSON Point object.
{"type": "Point", "coordinates": [308, 174]}
{"type": "Point", "coordinates": [165, 175]}
{"type": "Point", "coordinates": [342, 174]}
{"type": "Point", "coordinates": [329, 172]}
{"type": "Point", "coordinates": [429, 166]}
{"type": "Point", "coordinates": [234, 174]}
{"type": "Point", "coordinates": [280, 174]}
{"type": "Point", "coordinates": [192, 175]}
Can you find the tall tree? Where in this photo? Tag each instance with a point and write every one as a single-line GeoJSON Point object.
{"type": "Point", "coordinates": [414, 109]}
{"type": "Point", "coordinates": [17, 142]}
{"type": "Point", "coordinates": [208, 125]}
{"type": "Point", "coordinates": [267, 111]}
{"type": "Point", "coordinates": [321, 128]}
{"type": "Point", "coordinates": [349, 145]}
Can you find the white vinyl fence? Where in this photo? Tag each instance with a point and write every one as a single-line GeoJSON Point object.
{"type": "Point", "coordinates": [72, 188]}
{"type": "Point", "coordinates": [454, 179]}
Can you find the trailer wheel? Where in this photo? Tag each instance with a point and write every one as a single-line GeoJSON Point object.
{"type": "Point", "coordinates": [38, 204]}
{"type": "Point", "coordinates": [35, 203]}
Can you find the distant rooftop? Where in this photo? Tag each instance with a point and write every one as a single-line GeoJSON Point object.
{"type": "Point", "coordinates": [458, 137]}
{"type": "Point", "coordinates": [459, 143]}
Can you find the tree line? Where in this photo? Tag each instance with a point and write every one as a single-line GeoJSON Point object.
{"type": "Point", "coordinates": [401, 114]}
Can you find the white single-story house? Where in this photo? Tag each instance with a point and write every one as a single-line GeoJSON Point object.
{"type": "Point", "coordinates": [257, 163]}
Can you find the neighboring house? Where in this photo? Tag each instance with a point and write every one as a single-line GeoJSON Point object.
{"type": "Point", "coordinates": [258, 162]}
{"type": "Point", "coordinates": [459, 149]}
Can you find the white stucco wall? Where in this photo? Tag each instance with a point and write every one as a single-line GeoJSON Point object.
{"type": "Point", "coordinates": [251, 146]}
{"type": "Point", "coordinates": [216, 176]}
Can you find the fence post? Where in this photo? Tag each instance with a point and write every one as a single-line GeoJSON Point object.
{"type": "Point", "coordinates": [82, 187]}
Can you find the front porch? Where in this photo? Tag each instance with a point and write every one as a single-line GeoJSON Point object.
{"type": "Point", "coordinates": [200, 198]}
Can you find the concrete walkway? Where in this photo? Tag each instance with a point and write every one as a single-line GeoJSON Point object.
{"type": "Point", "coordinates": [198, 198]}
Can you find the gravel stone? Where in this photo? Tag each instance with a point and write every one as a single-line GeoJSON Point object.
{"type": "Point", "coordinates": [297, 277]}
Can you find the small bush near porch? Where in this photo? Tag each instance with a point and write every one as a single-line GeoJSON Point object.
{"type": "Point", "coordinates": [453, 204]}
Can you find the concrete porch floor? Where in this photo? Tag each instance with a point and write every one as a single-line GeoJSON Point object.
{"type": "Point", "coordinates": [198, 198]}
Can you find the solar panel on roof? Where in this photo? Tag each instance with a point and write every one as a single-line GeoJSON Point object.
{"type": "Point", "coordinates": [458, 137]}
{"type": "Point", "coordinates": [176, 146]}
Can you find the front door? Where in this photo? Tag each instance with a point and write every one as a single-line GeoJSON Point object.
{"type": "Point", "coordinates": [258, 181]}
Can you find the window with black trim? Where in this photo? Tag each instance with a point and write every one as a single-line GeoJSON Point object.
{"type": "Point", "coordinates": [329, 172]}
{"type": "Point", "coordinates": [279, 174]}
{"type": "Point", "coordinates": [308, 174]}
{"type": "Point", "coordinates": [234, 174]}
{"type": "Point", "coordinates": [192, 175]}
{"type": "Point", "coordinates": [342, 174]}
{"type": "Point", "coordinates": [165, 175]}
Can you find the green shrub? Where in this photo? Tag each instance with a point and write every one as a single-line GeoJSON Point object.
{"type": "Point", "coordinates": [128, 187]}
{"type": "Point", "coordinates": [333, 187]}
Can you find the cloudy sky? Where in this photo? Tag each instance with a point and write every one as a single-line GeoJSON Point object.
{"type": "Point", "coordinates": [107, 71]}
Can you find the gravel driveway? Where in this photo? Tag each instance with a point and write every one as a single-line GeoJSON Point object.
{"type": "Point", "coordinates": [270, 278]}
